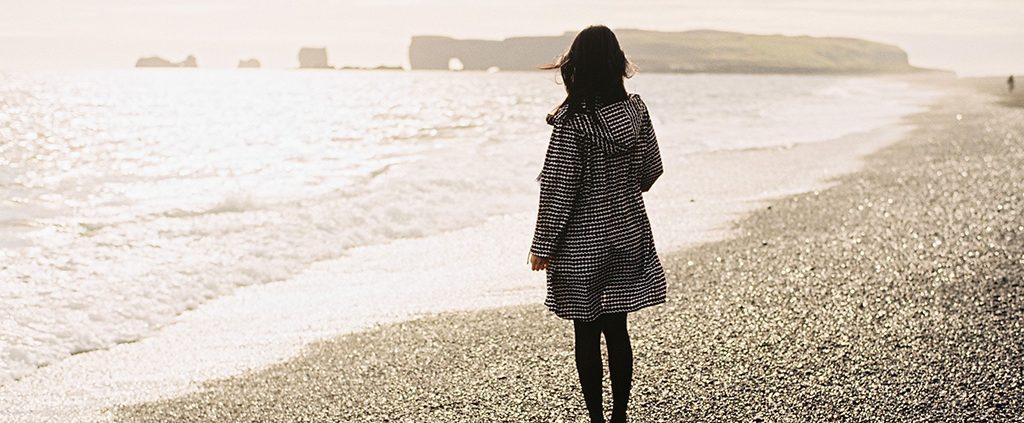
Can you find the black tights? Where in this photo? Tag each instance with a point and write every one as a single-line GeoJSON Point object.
{"type": "Point", "coordinates": [589, 365]}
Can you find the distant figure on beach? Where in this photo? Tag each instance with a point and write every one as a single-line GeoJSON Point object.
{"type": "Point", "coordinates": [592, 235]}
{"type": "Point", "coordinates": [1009, 84]}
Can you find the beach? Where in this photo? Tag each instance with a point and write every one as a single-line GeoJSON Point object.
{"type": "Point", "coordinates": [891, 293]}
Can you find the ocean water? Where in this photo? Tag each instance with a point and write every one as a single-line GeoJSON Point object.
{"type": "Point", "coordinates": [129, 197]}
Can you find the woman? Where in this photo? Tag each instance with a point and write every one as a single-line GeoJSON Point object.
{"type": "Point", "coordinates": [592, 235]}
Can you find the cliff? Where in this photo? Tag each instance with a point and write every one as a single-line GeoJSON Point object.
{"type": "Point", "coordinates": [159, 62]}
{"type": "Point", "coordinates": [689, 51]}
{"type": "Point", "coordinates": [313, 58]}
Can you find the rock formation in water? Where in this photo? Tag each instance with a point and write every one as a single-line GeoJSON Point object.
{"type": "Point", "coordinates": [689, 51]}
{"type": "Point", "coordinates": [159, 62]}
{"type": "Point", "coordinates": [313, 58]}
{"type": "Point", "coordinates": [249, 63]}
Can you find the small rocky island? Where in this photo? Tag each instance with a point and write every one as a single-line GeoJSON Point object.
{"type": "Point", "coordinates": [249, 64]}
{"type": "Point", "coordinates": [313, 58]}
{"type": "Point", "coordinates": [681, 52]}
{"type": "Point", "coordinates": [159, 62]}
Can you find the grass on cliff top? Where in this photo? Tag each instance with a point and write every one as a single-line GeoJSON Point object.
{"type": "Point", "coordinates": [716, 50]}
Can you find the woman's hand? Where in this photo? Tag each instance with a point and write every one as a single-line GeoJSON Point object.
{"type": "Point", "coordinates": [538, 263]}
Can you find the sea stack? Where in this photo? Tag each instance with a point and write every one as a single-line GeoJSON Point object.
{"type": "Point", "coordinates": [159, 62]}
{"type": "Point", "coordinates": [313, 58]}
{"type": "Point", "coordinates": [249, 63]}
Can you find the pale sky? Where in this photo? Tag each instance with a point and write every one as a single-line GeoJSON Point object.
{"type": "Point", "coordinates": [971, 37]}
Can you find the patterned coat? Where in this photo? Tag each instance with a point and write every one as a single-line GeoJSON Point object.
{"type": "Point", "coordinates": [591, 221]}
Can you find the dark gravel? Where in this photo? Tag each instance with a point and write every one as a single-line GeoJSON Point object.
{"type": "Point", "coordinates": [897, 294]}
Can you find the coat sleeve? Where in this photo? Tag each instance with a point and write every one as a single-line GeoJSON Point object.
{"type": "Point", "coordinates": [560, 181]}
{"type": "Point", "coordinates": [651, 168]}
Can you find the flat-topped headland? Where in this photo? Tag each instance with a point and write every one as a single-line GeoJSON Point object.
{"type": "Point", "coordinates": [702, 51]}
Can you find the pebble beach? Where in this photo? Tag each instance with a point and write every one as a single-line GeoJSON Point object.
{"type": "Point", "coordinates": [897, 293]}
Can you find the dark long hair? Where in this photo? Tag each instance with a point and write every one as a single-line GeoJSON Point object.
{"type": "Point", "coordinates": [593, 68]}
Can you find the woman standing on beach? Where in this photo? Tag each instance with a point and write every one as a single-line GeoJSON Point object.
{"type": "Point", "coordinates": [592, 236]}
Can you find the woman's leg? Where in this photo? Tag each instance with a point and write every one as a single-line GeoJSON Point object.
{"type": "Point", "coordinates": [589, 366]}
{"type": "Point", "coordinates": [620, 362]}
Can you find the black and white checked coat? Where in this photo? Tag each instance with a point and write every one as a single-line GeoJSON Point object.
{"type": "Point", "coordinates": [591, 222]}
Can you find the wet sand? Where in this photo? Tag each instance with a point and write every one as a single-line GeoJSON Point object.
{"type": "Point", "coordinates": [897, 293]}
{"type": "Point", "coordinates": [996, 86]}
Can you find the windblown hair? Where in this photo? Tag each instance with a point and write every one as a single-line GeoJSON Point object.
{"type": "Point", "coordinates": [593, 69]}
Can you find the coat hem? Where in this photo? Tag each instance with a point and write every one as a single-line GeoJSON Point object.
{"type": "Point", "coordinates": [590, 317]}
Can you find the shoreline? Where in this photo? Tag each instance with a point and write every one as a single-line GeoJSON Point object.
{"type": "Point", "coordinates": [104, 378]}
{"type": "Point", "coordinates": [854, 319]}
